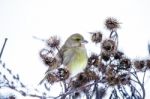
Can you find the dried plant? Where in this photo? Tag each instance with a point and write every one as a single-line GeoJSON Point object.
{"type": "Point", "coordinates": [109, 69]}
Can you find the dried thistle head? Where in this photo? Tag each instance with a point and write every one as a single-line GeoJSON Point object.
{"type": "Point", "coordinates": [105, 56]}
{"type": "Point", "coordinates": [118, 55]}
{"type": "Point", "coordinates": [108, 45]}
{"type": "Point", "coordinates": [139, 64]}
{"type": "Point", "coordinates": [112, 80]}
{"type": "Point", "coordinates": [53, 42]}
{"type": "Point", "coordinates": [148, 63]}
{"type": "Point", "coordinates": [63, 74]}
{"type": "Point", "coordinates": [93, 60]}
{"type": "Point", "coordinates": [125, 63]}
{"type": "Point", "coordinates": [112, 23]}
{"type": "Point", "coordinates": [96, 37]}
{"type": "Point", "coordinates": [124, 78]}
{"type": "Point", "coordinates": [51, 78]}
{"type": "Point", "coordinates": [83, 78]}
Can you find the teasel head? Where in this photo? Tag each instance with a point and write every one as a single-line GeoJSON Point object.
{"type": "Point", "coordinates": [63, 74]}
{"type": "Point", "coordinates": [118, 55]}
{"type": "Point", "coordinates": [108, 45]}
{"type": "Point", "coordinates": [139, 64]}
{"type": "Point", "coordinates": [48, 57]}
{"type": "Point", "coordinates": [53, 42]}
{"type": "Point", "coordinates": [51, 78]}
{"type": "Point", "coordinates": [93, 60]}
{"type": "Point", "coordinates": [96, 37]}
{"type": "Point", "coordinates": [148, 63]}
{"type": "Point", "coordinates": [83, 78]}
{"type": "Point", "coordinates": [125, 63]}
{"type": "Point", "coordinates": [124, 78]}
{"type": "Point", "coordinates": [112, 24]}
{"type": "Point", "coordinates": [105, 56]}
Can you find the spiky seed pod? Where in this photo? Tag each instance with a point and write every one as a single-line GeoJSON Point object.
{"type": "Point", "coordinates": [50, 61]}
{"type": "Point", "coordinates": [83, 78]}
{"type": "Point", "coordinates": [139, 64]}
{"type": "Point", "coordinates": [105, 56]}
{"type": "Point", "coordinates": [125, 63]}
{"type": "Point", "coordinates": [112, 23]}
{"type": "Point", "coordinates": [112, 80]}
{"type": "Point", "coordinates": [124, 78]}
{"type": "Point", "coordinates": [118, 55]}
{"type": "Point", "coordinates": [53, 42]}
{"type": "Point", "coordinates": [93, 60]}
{"type": "Point", "coordinates": [148, 63]}
{"type": "Point", "coordinates": [63, 74]}
{"type": "Point", "coordinates": [108, 45]}
{"type": "Point", "coordinates": [45, 52]}
{"type": "Point", "coordinates": [51, 78]}
{"type": "Point", "coordinates": [96, 37]}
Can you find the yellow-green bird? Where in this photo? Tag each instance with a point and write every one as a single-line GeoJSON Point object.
{"type": "Point", "coordinates": [73, 54]}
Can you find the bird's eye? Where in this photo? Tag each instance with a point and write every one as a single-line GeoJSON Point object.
{"type": "Point", "coordinates": [78, 39]}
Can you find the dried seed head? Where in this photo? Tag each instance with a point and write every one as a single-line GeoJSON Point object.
{"type": "Point", "coordinates": [96, 37]}
{"type": "Point", "coordinates": [108, 45]}
{"type": "Point", "coordinates": [112, 80]}
{"type": "Point", "coordinates": [118, 55]}
{"type": "Point", "coordinates": [93, 60]}
{"type": "Point", "coordinates": [51, 78]}
{"type": "Point", "coordinates": [124, 78]}
{"type": "Point", "coordinates": [63, 74]}
{"type": "Point", "coordinates": [139, 64]}
{"type": "Point", "coordinates": [105, 56]}
{"type": "Point", "coordinates": [53, 42]}
{"type": "Point", "coordinates": [148, 63]}
{"type": "Point", "coordinates": [125, 63]}
{"type": "Point", "coordinates": [83, 78]}
{"type": "Point", "coordinates": [111, 24]}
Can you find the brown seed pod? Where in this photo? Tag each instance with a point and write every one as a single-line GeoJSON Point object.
{"type": "Point", "coordinates": [148, 63]}
{"type": "Point", "coordinates": [96, 37]}
{"type": "Point", "coordinates": [83, 78]}
{"type": "Point", "coordinates": [118, 55]}
{"type": "Point", "coordinates": [93, 60]}
{"type": "Point", "coordinates": [125, 63]}
{"type": "Point", "coordinates": [139, 64]}
{"type": "Point", "coordinates": [53, 42]}
{"type": "Point", "coordinates": [105, 56]}
{"type": "Point", "coordinates": [108, 45]}
{"type": "Point", "coordinates": [63, 74]}
{"type": "Point", "coordinates": [51, 78]}
{"type": "Point", "coordinates": [112, 24]}
{"type": "Point", "coordinates": [112, 80]}
{"type": "Point", "coordinates": [124, 78]}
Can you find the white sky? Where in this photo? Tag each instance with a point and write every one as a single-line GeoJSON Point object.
{"type": "Point", "coordinates": [22, 19]}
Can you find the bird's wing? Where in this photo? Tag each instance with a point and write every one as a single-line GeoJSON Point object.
{"type": "Point", "coordinates": [68, 55]}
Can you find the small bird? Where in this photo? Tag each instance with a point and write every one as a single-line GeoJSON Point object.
{"type": "Point", "coordinates": [73, 55]}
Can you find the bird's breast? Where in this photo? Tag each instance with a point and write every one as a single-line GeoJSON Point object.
{"type": "Point", "coordinates": [79, 61]}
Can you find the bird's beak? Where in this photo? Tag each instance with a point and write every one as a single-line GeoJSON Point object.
{"type": "Point", "coordinates": [84, 41]}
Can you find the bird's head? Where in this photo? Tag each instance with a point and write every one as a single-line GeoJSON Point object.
{"type": "Point", "coordinates": [75, 40]}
